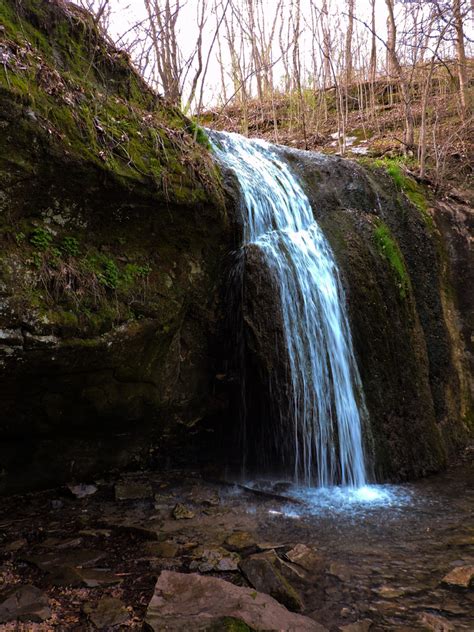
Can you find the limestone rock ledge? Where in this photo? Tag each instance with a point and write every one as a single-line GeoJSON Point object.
{"type": "Point", "coordinates": [112, 234]}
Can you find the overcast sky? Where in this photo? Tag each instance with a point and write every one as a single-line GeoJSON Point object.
{"type": "Point", "coordinates": [127, 12]}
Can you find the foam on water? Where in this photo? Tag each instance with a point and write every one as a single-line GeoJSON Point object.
{"type": "Point", "coordinates": [347, 500]}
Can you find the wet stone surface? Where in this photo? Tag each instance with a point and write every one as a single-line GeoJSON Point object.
{"type": "Point", "coordinates": [388, 558]}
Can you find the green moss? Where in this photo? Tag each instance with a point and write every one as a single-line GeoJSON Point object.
{"type": "Point", "coordinates": [390, 250]}
{"type": "Point", "coordinates": [85, 95]}
{"type": "Point", "coordinates": [199, 134]}
{"type": "Point", "coordinates": [229, 624]}
{"type": "Point", "coordinates": [414, 192]}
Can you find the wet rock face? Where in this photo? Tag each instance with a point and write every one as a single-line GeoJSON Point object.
{"type": "Point", "coordinates": [409, 337]}
{"type": "Point", "coordinates": [265, 366]}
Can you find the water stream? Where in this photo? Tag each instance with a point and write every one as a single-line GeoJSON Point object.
{"type": "Point", "coordinates": [326, 398]}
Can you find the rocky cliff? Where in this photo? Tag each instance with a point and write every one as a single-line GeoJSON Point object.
{"type": "Point", "coordinates": [406, 263]}
{"type": "Point", "coordinates": [112, 232]}
{"type": "Point", "coordinates": [115, 231]}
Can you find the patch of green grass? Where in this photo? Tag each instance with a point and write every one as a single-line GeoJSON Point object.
{"type": "Point", "coordinates": [390, 250]}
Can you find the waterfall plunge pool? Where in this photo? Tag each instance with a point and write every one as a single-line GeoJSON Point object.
{"type": "Point", "coordinates": [318, 501]}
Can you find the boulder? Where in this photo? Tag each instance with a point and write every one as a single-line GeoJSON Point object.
{"type": "Point", "coordinates": [262, 573]}
{"type": "Point", "coordinates": [183, 602]}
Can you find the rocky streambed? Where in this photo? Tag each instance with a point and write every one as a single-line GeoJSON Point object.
{"type": "Point", "coordinates": [177, 550]}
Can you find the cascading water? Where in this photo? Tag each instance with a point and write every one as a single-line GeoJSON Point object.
{"type": "Point", "coordinates": [326, 434]}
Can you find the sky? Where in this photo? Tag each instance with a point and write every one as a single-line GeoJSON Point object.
{"type": "Point", "coordinates": [127, 12]}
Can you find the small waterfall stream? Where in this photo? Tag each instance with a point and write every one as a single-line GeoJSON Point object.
{"type": "Point", "coordinates": [326, 393]}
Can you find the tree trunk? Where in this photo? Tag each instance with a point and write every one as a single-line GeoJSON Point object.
{"type": "Point", "coordinates": [461, 54]}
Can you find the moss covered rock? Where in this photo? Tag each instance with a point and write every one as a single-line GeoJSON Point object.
{"type": "Point", "coordinates": [410, 347]}
{"type": "Point", "coordinates": [112, 232]}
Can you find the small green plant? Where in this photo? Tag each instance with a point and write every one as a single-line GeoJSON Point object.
{"type": "Point", "coordinates": [70, 246]}
{"type": "Point", "coordinates": [143, 271]}
{"type": "Point", "coordinates": [199, 134]}
{"type": "Point", "coordinates": [55, 254]}
{"type": "Point", "coordinates": [133, 271]}
{"type": "Point", "coordinates": [19, 238]}
{"type": "Point", "coordinates": [109, 276]}
{"type": "Point", "coordinates": [389, 249]}
{"type": "Point", "coordinates": [41, 239]}
{"type": "Point", "coordinates": [36, 260]}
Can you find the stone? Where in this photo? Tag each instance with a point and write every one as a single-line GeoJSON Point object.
{"type": "Point", "coordinates": [210, 500]}
{"type": "Point", "coordinates": [79, 577]}
{"type": "Point", "coordinates": [358, 626]}
{"type": "Point", "coordinates": [436, 622]}
{"type": "Point", "coordinates": [183, 602]}
{"type": "Point", "coordinates": [16, 545]}
{"type": "Point", "coordinates": [65, 558]}
{"type": "Point", "coordinates": [388, 592]}
{"type": "Point", "coordinates": [95, 577]}
{"type": "Point", "coordinates": [462, 541]}
{"type": "Point", "coordinates": [108, 612]}
{"type": "Point", "coordinates": [166, 549]}
{"type": "Point", "coordinates": [214, 559]}
{"type": "Point", "coordinates": [148, 530]}
{"type": "Point", "coordinates": [133, 490]}
{"type": "Point", "coordinates": [181, 512]}
{"type": "Point", "coordinates": [267, 546]}
{"type": "Point", "coordinates": [96, 533]}
{"type": "Point", "coordinates": [306, 557]}
{"type": "Point", "coordinates": [240, 541]}
{"type": "Point", "coordinates": [26, 603]}
{"type": "Point", "coordinates": [461, 577]}
{"type": "Point", "coordinates": [341, 571]}
{"type": "Point", "coordinates": [262, 573]}
{"type": "Point", "coordinates": [82, 490]}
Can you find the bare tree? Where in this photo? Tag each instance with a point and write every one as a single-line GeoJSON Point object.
{"type": "Point", "coordinates": [396, 69]}
{"type": "Point", "coordinates": [461, 52]}
{"type": "Point", "coordinates": [349, 34]}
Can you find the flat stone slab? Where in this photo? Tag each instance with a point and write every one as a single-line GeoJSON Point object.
{"type": "Point", "coordinates": [26, 603]}
{"type": "Point", "coordinates": [240, 541]}
{"type": "Point", "coordinates": [108, 612]}
{"type": "Point", "coordinates": [436, 623]}
{"type": "Point", "coordinates": [133, 490]}
{"type": "Point", "coordinates": [461, 577]}
{"type": "Point", "coordinates": [184, 602]}
{"type": "Point", "coordinates": [306, 557]}
{"type": "Point", "coordinates": [60, 558]}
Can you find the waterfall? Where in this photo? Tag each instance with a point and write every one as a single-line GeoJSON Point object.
{"type": "Point", "coordinates": [326, 399]}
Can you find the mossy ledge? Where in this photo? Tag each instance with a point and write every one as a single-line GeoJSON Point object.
{"type": "Point", "coordinates": [113, 230]}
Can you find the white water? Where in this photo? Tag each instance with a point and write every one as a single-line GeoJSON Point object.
{"type": "Point", "coordinates": [326, 435]}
